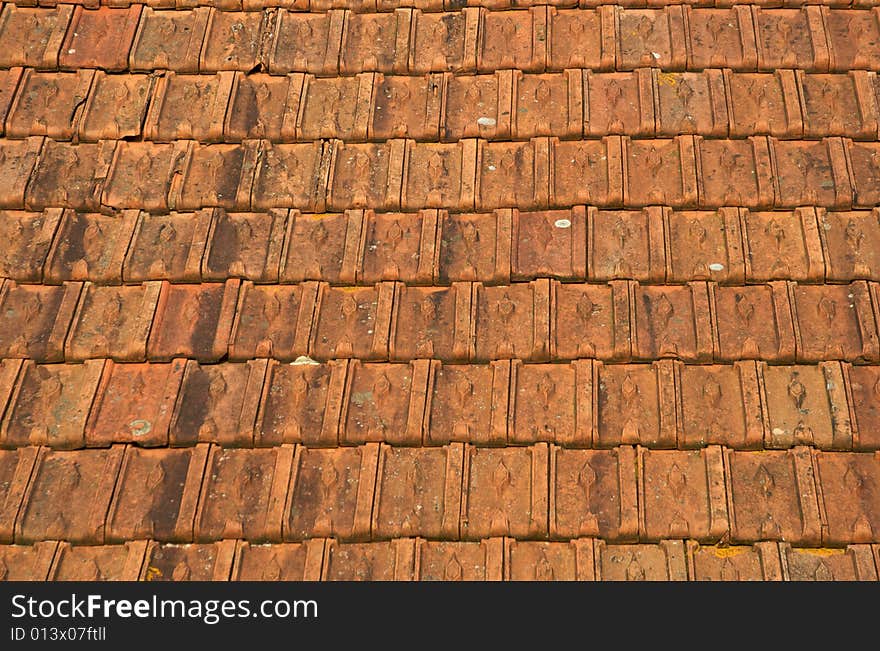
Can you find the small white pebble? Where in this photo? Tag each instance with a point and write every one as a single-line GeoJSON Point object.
{"type": "Point", "coordinates": [492, 168]}
{"type": "Point", "coordinates": [303, 359]}
{"type": "Point", "coordinates": [486, 122]}
{"type": "Point", "coordinates": [562, 223]}
{"type": "Point", "coordinates": [716, 266]}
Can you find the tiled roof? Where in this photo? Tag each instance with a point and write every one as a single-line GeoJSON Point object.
{"type": "Point", "coordinates": [439, 289]}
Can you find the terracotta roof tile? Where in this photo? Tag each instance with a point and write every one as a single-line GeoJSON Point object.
{"type": "Point", "coordinates": [28, 237]}
{"type": "Point", "coordinates": [116, 106]}
{"type": "Point", "coordinates": [431, 323]}
{"type": "Point", "coordinates": [864, 405]}
{"type": "Point", "coordinates": [635, 403]}
{"type": "Point", "coordinates": [721, 37]}
{"type": "Point", "coordinates": [764, 103]}
{"type": "Point", "coordinates": [408, 107]}
{"type": "Point", "coordinates": [773, 497]}
{"type": "Point", "coordinates": [98, 563]}
{"type": "Point", "coordinates": [17, 161]}
{"type": "Point", "coordinates": [461, 561]}
{"type": "Point", "coordinates": [134, 404]}
{"type": "Point", "coordinates": [852, 564]}
{"type": "Point", "coordinates": [113, 322]}
{"type": "Point", "coordinates": [85, 479]}
{"type": "Point", "coordinates": [542, 561]}
{"type": "Point", "coordinates": [665, 561]}
{"type": "Point", "coordinates": [232, 40]}
{"type": "Point", "coordinates": [142, 175]}
{"type": "Point", "coordinates": [83, 169]}
{"type": "Point", "coordinates": [218, 403]}
{"type": "Point", "coordinates": [167, 247]}
{"type": "Point", "coordinates": [36, 319]}
{"type": "Point", "coordinates": [650, 37]}
{"type": "Point", "coordinates": [375, 42]}
{"type": "Point", "coordinates": [505, 492]}
{"type": "Point", "coordinates": [243, 494]}
{"type": "Point", "coordinates": [9, 80]}
{"type": "Point", "coordinates": [753, 322]}
{"type": "Point", "coordinates": [287, 562]}
{"type": "Point", "coordinates": [843, 29]}
{"type": "Point", "coordinates": [853, 93]}
{"type": "Point", "coordinates": [99, 38]}
{"type": "Point", "coordinates": [443, 42]}
{"type": "Point", "coordinates": [419, 491]}
{"type": "Point", "coordinates": [331, 493]}
{"type": "Point", "coordinates": [290, 175]}
{"type": "Point", "coordinates": [352, 322]}
{"type": "Point", "coordinates": [217, 176]}
{"type": "Point", "coordinates": [862, 158]}
{"type": "Point", "coordinates": [594, 493]}
{"type": "Point", "coordinates": [848, 521]}
{"type": "Point", "coordinates": [844, 312]}
{"type": "Point", "coordinates": [165, 510]}
{"type": "Point", "coordinates": [169, 40]}
{"type": "Point", "coordinates": [759, 562]}
{"type": "Point", "coordinates": [271, 321]}
{"type": "Point", "coordinates": [720, 405]}
{"type": "Point", "coordinates": [31, 36]}
{"type": "Point", "coordinates": [512, 321]}
{"type": "Point", "coordinates": [16, 467]}
{"type": "Point", "coordinates": [306, 42]}
{"type": "Point", "coordinates": [302, 404]}
{"type": "Point", "coordinates": [672, 321]}
{"type": "Point", "coordinates": [600, 312]}
{"type": "Point", "coordinates": [203, 562]}
{"type": "Point", "coordinates": [48, 104]}
{"type": "Point", "coordinates": [89, 246]}
{"type": "Point", "coordinates": [791, 38]}
{"type": "Point", "coordinates": [669, 165]}
{"type": "Point", "coordinates": [263, 106]}
{"type": "Point", "coordinates": [26, 562]}
{"type": "Point", "coordinates": [468, 403]}
{"type": "Point", "coordinates": [51, 405]}
{"type": "Point", "coordinates": [189, 107]}
{"type": "Point", "coordinates": [682, 494]}
{"type": "Point", "coordinates": [390, 561]}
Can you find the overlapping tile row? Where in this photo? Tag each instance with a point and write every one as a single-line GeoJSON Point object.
{"type": "Point", "coordinates": [456, 492]}
{"type": "Point", "coordinates": [414, 559]}
{"type": "Point", "coordinates": [542, 320]}
{"type": "Point", "coordinates": [584, 404]}
{"type": "Point", "coordinates": [655, 245]}
{"type": "Point", "coordinates": [414, 41]}
{"type": "Point", "coordinates": [89, 105]}
{"type": "Point", "coordinates": [612, 172]}
{"type": "Point", "coordinates": [380, 6]}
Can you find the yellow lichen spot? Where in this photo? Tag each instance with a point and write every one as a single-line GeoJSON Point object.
{"type": "Point", "coordinates": [823, 551]}
{"type": "Point", "coordinates": [728, 552]}
{"type": "Point", "coordinates": [667, 78]}
{"type": "Point", "coordinates": [153, 573]}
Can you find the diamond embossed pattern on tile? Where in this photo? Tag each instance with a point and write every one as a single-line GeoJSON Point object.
{"type": "Point", "coordinates": [479, 290]}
